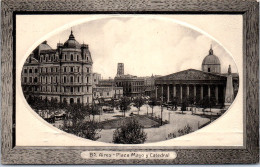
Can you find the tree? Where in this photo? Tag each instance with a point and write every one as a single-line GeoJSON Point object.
{"type": "Point", "coordinates": [190, 102]}
{"type": "Point", "coordinates": [130, 133]}
{"type": "Point", "coordinates": [183, 105]}
{"type": "Point", "coordinates": [94, 110]}
{"type": "Point", "coordinates": [77, 113]}
{"type": "Point", "coordinates": [124, 104]}
{"type": "Point", "coordinates": [208, 102]}
{"type": "Point", "coordinates": [175, 102]}
{"type": "Point", "coordinates": [152, 103]}
{"type": "Point", "coordinates": [138, 102]}
{"type": "Point", "coordinates": [75, 123]}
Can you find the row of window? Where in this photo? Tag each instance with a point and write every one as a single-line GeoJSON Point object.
{"type": "Point", "coordinates": [30, 70]}
{"type": "Point", "coordinates": [120, 84]}
{"type": "Point", "coordinates": [137, 89]}
{"type": "Point", "coordinates": [52, 57]}
{"type": "Point", "coordinates": [101, 94]}
{"type": "Point", "coordinates": [56, 79]}
{"type": "Point", "coordinates": [63, 89]}
{"type": "Point", "coordinates": [64, 69]}
{"type": "Point", "coordinates": [30, 80]}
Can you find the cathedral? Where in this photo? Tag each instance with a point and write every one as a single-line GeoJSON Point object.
{"type": "Point", "coordinates": [197, 84]}
{"type": "Point", "coordinates": [63, 74]}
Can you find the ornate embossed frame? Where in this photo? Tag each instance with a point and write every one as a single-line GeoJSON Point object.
{"type": "Point", "coordinates": [12, 154]}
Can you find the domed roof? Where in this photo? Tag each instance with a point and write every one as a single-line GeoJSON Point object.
{"type": "Point", "coordinates": [211, 59]}
{"type": "Point", "coordinates": [71, 42]}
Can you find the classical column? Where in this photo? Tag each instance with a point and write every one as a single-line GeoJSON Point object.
{"type": "Point", "coordinates": [188, 91]}
{"type": "Point", "coordinates": [209, 90]}
{"type": "Point", "coordinates": [216, 93]}
{"type": "Point", "coordinates": [174, 90]}
{"type": "Point", "coordinates": [194, 94]}
{"type": "Point", "coordinates": [156, 92]}
{"type": "Point", "coordinates": [168, 93]}
{"type": "Point", "coordinates": [162, 94]}
{"type": "Point", "coordinates": [181, 92]}
{"type": "Point", "coordinates": [201, 92]}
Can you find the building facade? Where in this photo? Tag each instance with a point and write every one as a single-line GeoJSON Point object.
{"type": "Point", "coordinates": [107, 92]}
{"type": "Point", "coordinates": [96, 77]}
{"type": "Point", "coordinates": [64, 74]}
{"type": "Point", "coordinates": [132, 86]}
{"type": "Point", "coordinates": [197, 84]}
{"type": "Point", "coordinates": [120, 69]}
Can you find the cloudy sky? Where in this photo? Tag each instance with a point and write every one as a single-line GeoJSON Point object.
{"type": "Point", "coordinates": [146, 46]}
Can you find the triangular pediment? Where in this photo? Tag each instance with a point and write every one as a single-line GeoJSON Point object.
{"type": "Point", "coordinates": [192, 74]}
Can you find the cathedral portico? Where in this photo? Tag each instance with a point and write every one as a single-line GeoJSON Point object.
{"type": "Point", "coordinates": [195, 84]}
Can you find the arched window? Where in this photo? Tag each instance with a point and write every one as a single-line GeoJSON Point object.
{"type": "Point", "coordinates": [71, 57]}
{"type": "Point", "coordinates": [64, 69]}
{"type": "Point", "coordinates": [71, 69]}
{"type": "Point", "coordinates": [71, 100]}
{"type": "Point", "coordinates": [71, 79]}
{"type": "Point", "coordinates": [30, 70]}
{"type": "Point", "coordinates": [71, 89]}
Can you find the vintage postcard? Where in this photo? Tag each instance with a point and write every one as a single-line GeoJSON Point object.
{"type": "Point", "coordinates": [136, 80]}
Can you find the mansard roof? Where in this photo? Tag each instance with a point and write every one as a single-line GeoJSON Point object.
{"type": "Point", "coordinates": [192, 74]}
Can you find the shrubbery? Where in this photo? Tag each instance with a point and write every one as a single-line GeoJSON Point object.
{"type": "Point", "coordinates": [186, 130]}
{"type": "Point", "coordinates": [130, 133]}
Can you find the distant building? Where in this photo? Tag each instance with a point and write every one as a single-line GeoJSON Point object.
{"type": "Point", "coordinates": [107, 92]}
{"type": "Point", "coordinates": [62, 74]}
{"type": "Point", "coordinates": [120, 69]}
{"type": "Point", "coordinates": [198, 84]}
{"type": "Point", "coordinates": [107, 82]}
{"type": "Point", "coordinates": [132, 85]}
{"type": "Point", "coordinates": [96, 77]}
{"type": "Point", "coordinates": [149, 85]}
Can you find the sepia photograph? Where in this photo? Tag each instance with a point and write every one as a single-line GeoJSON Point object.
{"type": "Point", "coordinates": [130, 79]}
{"type": "Point", "coordinates": [138, 82]}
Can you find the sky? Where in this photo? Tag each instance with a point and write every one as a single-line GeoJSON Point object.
{"type": "Point", "coordinates": [146, 46]}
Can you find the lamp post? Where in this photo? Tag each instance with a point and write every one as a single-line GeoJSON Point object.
{"type": "Point", "coordinates": [161, 110]}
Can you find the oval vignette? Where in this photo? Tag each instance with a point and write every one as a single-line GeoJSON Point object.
{"type": "Point", "coordinates": [130, 84]}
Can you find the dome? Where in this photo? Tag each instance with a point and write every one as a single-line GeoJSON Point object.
{"type": "Point", "coordinates": [42, 47]}
{"type": "Point", "coordinates": [211, 59]}
{"type": "Point", "coordinates": [71, 42]}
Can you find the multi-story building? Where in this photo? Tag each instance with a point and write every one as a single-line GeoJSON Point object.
{"type": "Point", "coordinates": [64, 74]}
{"type": "Point", "coordinates": [96, 78]}
{"type": "Point", "coordinates": [132, 85]}
{"type": "Point", "coordinates": [107, 92]}
{"type": "Point", "coordinates": [30, 77]}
